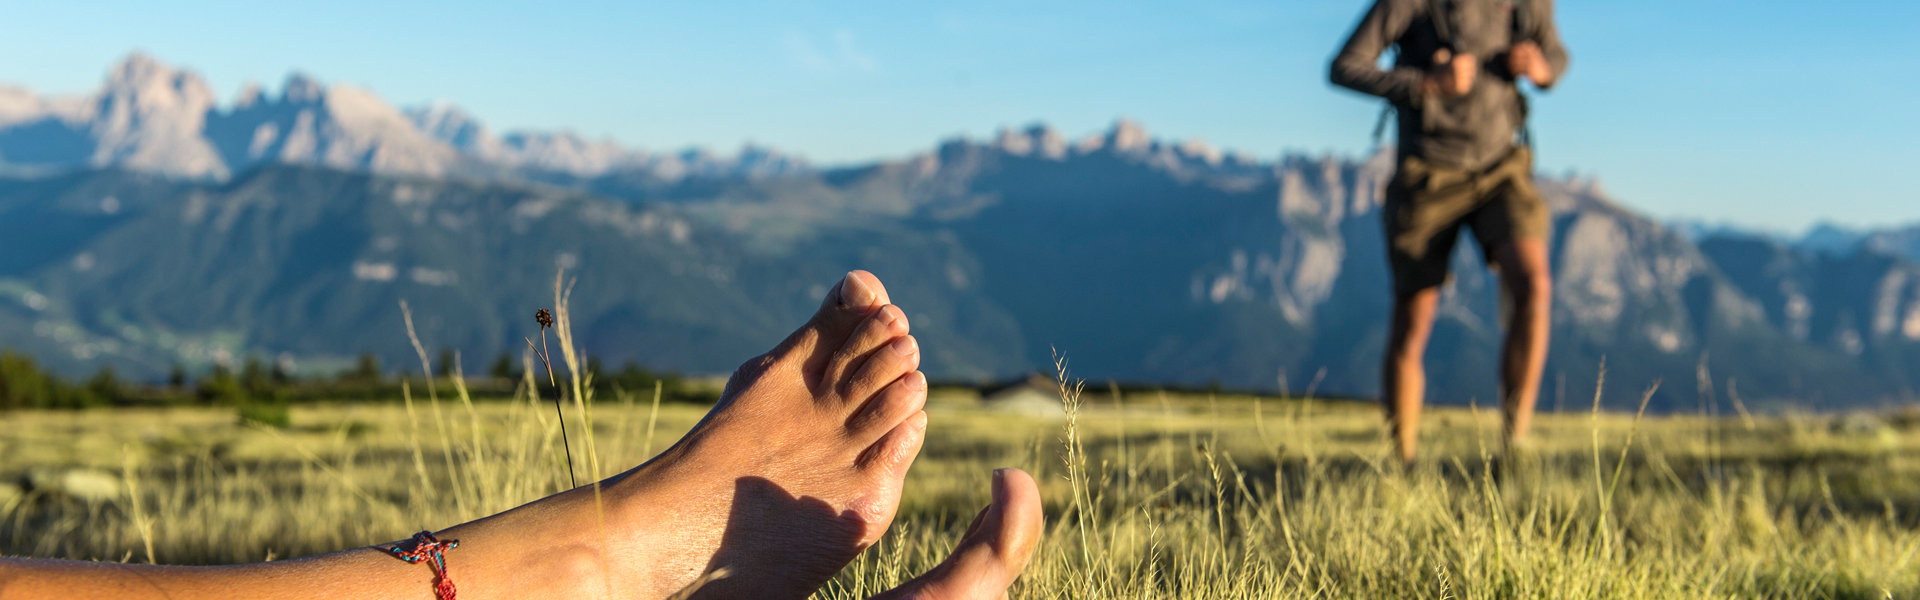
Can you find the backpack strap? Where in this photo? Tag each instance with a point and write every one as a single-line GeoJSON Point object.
{"type": "Point", "coordinates": [1441, 14]}
{"type": "Point", "coordinates": [1522, 18]}
{"type": "Point", "coordinates": [1380, 126]}
{"type": "Point", "coordinates": [1523, 26]}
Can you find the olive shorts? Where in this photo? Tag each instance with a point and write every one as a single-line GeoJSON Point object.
{"type": "Point", "coordinates": [1427, 204]}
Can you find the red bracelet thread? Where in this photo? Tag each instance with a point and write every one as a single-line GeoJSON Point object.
{"type": "Point", "coordinates": [424, 546]}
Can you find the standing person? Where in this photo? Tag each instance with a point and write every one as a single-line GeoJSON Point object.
{"type": "Point", "coordinates": [1463, 159]}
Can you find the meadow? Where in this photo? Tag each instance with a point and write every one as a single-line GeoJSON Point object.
{"type": "Point", "coordinates": [1148, 495]}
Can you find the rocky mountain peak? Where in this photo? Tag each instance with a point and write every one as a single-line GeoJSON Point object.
{"type": "Point", "coordinates": [300, 88]}
{"type": "Point", "coordinates": [1128, 135]}
{"type": "Point", "coordinates": [1048, 141]}
{"type": "Point", "coordinates": [1198, 149]}
{"type": "Point", "coordinates": [1036, 139]}
{"type": "Point", "coordinates": [250, 95]}
{"type": "Point", "coordinates": [1013, 142]}
{"type": "Point", "coordinates": [17, 103]}
{"type": "Point", "coordinates": [139, 70]}
{"type": "Point", "coordinates": [449, 123]}
{"type": "Point", "coordinates": [149, 115]}
{"type": "Point", "coordinates": [1831, 238]}
{"type": "Point", "coordinates": [362, 106]}
{"type": "Point", "coordinates": [147, 84]}
{"type": "Point", "coordinates": [563, 151]}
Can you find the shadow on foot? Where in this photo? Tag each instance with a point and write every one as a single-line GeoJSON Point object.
{"type": "Point", "coordinates": [777, 545]}
{"type": "Point", "coordinates": [774, 536]}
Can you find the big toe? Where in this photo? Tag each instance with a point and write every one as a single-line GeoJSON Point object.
{"type": "Point", "coordinates": [857, 295]}
{"type": "Point", "coordinates": [858, 290]}
{"type": "Point", "coordinates": [994, 550]}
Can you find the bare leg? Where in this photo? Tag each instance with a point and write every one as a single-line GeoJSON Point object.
{"type": "Point", "coordinates": [1403, 379]}
{"type": "Point", "coordinates": [793, 473]}
{"type": "Point", "coordinates": [1527, 282]}
{"type": "Point", "coordinates": [983, 566]}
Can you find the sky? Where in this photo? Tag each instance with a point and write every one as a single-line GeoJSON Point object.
{"type": "Point", "coordinates": [1771, 114]}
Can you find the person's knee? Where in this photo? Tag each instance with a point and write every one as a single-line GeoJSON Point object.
{"type": "Point", "coordinates": [1404, 354]}
{"type": "Point", "coordinates": [1530, 284]}
{"type": "Point", "coordinates": [1412, 318]}
{"type": "Point", "coordinates": [1407, 347]}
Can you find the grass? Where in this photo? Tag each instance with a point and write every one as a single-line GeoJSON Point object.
{"type": "Point", "coordinates": [1147, 496]}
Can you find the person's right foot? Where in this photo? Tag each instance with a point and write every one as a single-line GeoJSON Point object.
{"type": "Point", "coordinates": [796, 469]}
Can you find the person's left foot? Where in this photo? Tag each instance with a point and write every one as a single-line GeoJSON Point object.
{"type": "Point", "coordinates": [995, 549]}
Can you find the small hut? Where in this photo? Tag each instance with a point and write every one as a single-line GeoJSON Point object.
{"type": "Point", "coordinates": [1033, 395]}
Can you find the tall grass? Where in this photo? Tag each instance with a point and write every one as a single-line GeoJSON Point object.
{"type": "Point", "coordinates": [1198, 504]}
{"type": "Point", "coordinates": [1174, 497]}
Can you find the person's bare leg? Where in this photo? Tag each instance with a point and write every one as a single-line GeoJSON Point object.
{"type": "Point", "coordinates": [795, 471]}
{"type": "Point", "coordinates": [996, 547]}
{"type": "Point", "coordinates": [1403, 377]}
{"type": "Point", "coordinates": [1527, 282]}
{"type": "Point", "coordinates": [992, 553]}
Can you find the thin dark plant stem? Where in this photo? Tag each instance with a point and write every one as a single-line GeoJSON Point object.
{"type": "Point", "coordinates": [565, 444]}
{"type": "Point", "coordinates": [543, 358]}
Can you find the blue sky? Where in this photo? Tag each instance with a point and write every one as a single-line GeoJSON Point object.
{"type": "Point", "coordinates": [1764, 113]}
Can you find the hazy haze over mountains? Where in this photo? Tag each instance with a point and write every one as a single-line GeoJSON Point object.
{"type": "Point", "coordinates": [289, 226]}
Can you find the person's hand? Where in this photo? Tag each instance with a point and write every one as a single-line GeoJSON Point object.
{"type": "Point", "coordinates": [1452, 74]}
{"type": "Point", "coordinates": [1525, 61]}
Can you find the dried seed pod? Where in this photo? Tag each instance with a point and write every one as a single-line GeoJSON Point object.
{"type": "Point", "coordinates": [544, 318]}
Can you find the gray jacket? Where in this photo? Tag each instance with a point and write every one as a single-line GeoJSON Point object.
{"type": "Point", "coordinates": [1470, 131]}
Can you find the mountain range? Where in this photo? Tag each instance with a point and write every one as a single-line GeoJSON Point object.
{"type": "Point", "coordinates": [152, 117]}
{"type": "Point", "coordinates": [145, 225]}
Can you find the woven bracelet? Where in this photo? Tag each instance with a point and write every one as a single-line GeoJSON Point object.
{"type": "Point", "coordinates": [425, 547]}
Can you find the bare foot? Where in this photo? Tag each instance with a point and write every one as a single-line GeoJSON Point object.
{"type": "Point", "coordinates": [796, 469]}
{"type": "Point", "coordinates": [806, 451]}
{"type": "Point", "coordinates": [995, 549]}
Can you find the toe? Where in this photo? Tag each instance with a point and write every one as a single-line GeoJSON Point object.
{"type": "Point", "coordinates": [880, 368]}
{"type": "Point", "coordinates": [857, 295]}
{"type": "Point", "coordinates": [875, 331]}
{"type": "Point", "coordinates": [859, 290]}
{"type": "Point", "coordinates": [994, 551]}
{"type": "Point", "coordinates": [893, 454]}
{"type": "Point", "coordinates": [1014, 520]}
{"type": "Point", "coordinates": [902, 398]}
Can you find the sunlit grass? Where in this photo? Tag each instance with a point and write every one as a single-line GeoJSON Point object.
{"type": "Point", "coordinates": [1147, 496]}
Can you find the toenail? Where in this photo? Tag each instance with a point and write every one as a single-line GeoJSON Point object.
{"type": "Point", "coordinates": [854, 293]}
{"type": "Point", "coordinates": [904, 346]}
